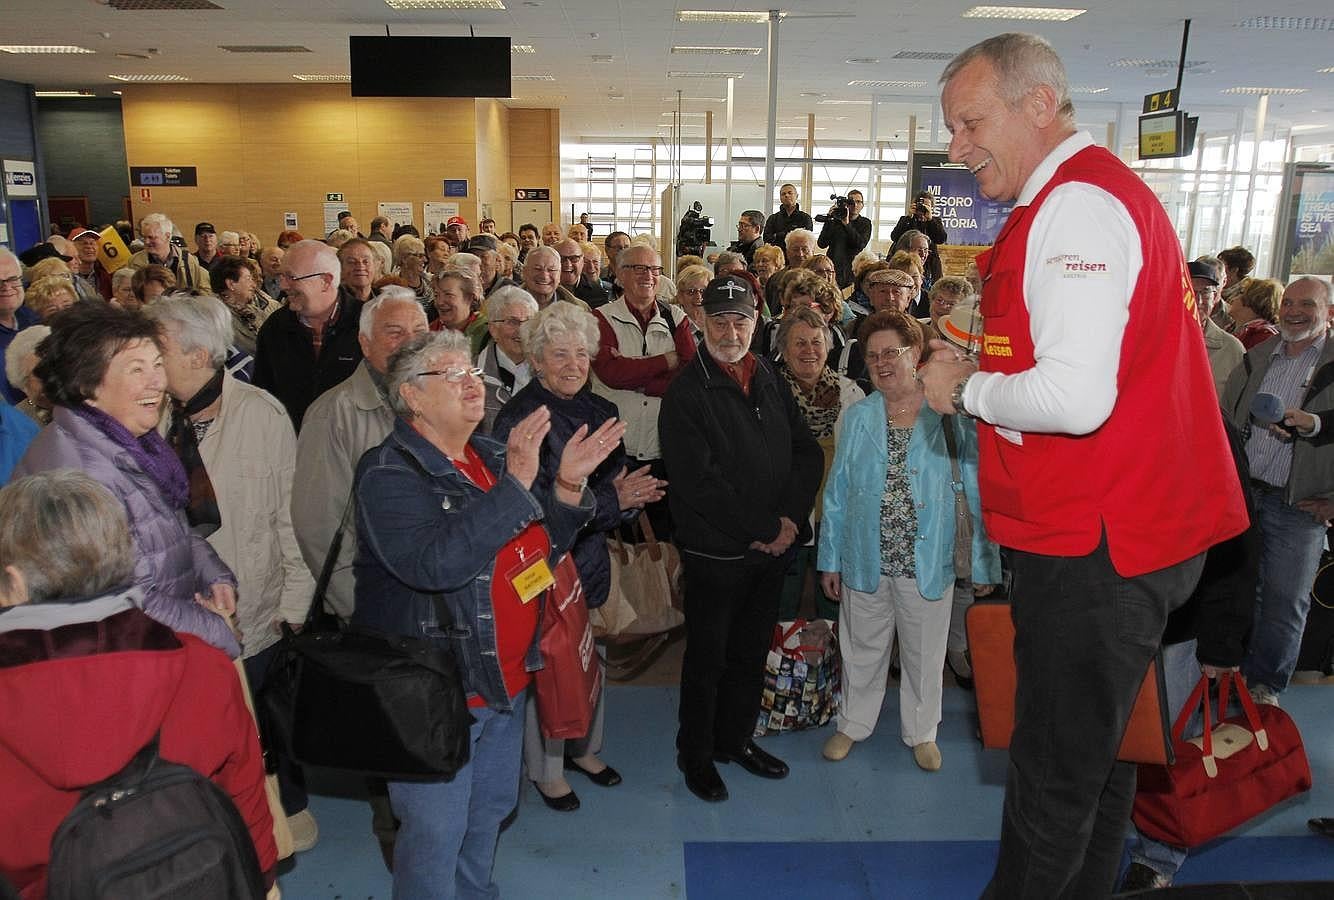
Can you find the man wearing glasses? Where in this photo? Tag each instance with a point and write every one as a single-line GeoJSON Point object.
{"type": "Point", "coordinates": [14, 316]}
{"type": "Point", "coordinates": [1225, 351]}
{"type": "Point", "coordinates": [644, 344]}
{"type": "Point", "coordinates": [845, 234]}
{"type": "Point", "coordinates": [309, 345]}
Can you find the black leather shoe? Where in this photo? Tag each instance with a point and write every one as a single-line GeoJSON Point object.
{"type": "Point", "coordinates": [564, 803]}
{"type": "Point", "coordinates": [755, 761]}
{"type": "Point", "coordinates": [702, 779]}
{"type": "Point", "coordinates": [1323, 825]}
{"type": "Point", "coordinates": [608, 777]}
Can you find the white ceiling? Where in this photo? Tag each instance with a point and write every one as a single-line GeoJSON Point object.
{"type": "Point", "coordinates": [639, 34]}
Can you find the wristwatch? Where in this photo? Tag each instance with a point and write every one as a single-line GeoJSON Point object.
{"type": "Point", "coordinates": [956, 397]}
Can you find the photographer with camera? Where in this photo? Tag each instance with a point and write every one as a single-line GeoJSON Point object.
{"type": "Point", "coordinates": [923, 218]}
{"type": "Point", "coordinates": [789, 216]}
{"type": "Point", "coordinates": [748, 234]}
{"type": "Point", "coordinates": [845, 233]}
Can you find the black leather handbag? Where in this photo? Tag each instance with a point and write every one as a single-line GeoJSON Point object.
{"type": "Point", "coordinates": [349, 698]}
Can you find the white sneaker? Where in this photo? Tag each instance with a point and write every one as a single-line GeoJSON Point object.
{"type": "Point", "coordinates": [305, 831]}
{"type": "Point", "coordinates": [837, 747]}
{"type": "Point", "coordinates": [1262, 694]}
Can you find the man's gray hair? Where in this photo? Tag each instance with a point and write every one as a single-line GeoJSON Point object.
{"type": "Point", "coordinates": [323, 258]}
{"type": "Point", "coordinates": [542, 251]}
{"type": "Point", "coordinates": [624, 255]}
{"type": "Point", "coordinates": [801, 234]}
{"type": "Point", "coordinates": [229, 237]}
{"type": "Point", "coordinates": [67, 535]}
{"type": "Point", "coordinates": [953, 285]}
{"type": "Point", "coordinates": [414, 356]}
{"type": "Point", "coordinates": [559, 320]}
{"type": "Point", "coordinates": [202, 322]}
{"type": "Point", "coordinates": [388, 295]}
{"type": "Point", "coordinates": [124, 274]}
{"type": "Point", "coordinates": [726, 258]}
{"type": "Point", "coordinates": [1313, 279]}
{"type": "Point", "coordinates": [465, 262]}
{"type": "Point", "coordinates": [905, 240]}
{"type": "Point", "coordinates": [1022, 63]}
{"type": "Point", "coordinates": [6, 253]}
{"type": "Point", "coordinates": [20, 348]}
{"type": "Point", "coordinates": [160, 220]}
{"type": "Point", "coordinates": [508, 295]}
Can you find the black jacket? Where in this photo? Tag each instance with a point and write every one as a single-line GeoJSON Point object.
{"type": "Point", "coordinates": [584, 408]}
{"type": "Point", "coordinates": [735, 464]}
{"type": "Point", "coordinates": [934, 230]}
{"type": "Point", "coordinates": [780, 223]}
{"type": "Point", "coordinates": [844, 241]}
{"type": "Point", "coordinates": [285, 363]}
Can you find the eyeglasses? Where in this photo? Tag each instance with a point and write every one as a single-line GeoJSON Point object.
{"type": "Point", "coordinates": [512, 322]}
{"type": "Point", "coordinates": [13, 283]}
{"type": "Point", "coordinates": [892, 354]}
{"type": "Point", "coordinates": [696, 292]}
{"type": "Point", "coordinates": [641, 269]}
{"type": "Point", "coordinates": [876, 282]}
{"type": "Point", "coordinates": [453, 374]}
{"type": "Point", "coordinates": [295, 278]}
{"type": "Point", "coordinates": [573, 260]}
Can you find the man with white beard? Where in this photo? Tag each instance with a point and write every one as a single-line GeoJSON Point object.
{"type": "Point", "coordinates": [1292, 475]}
{"type": "Point", "coordinates": [743, 469]}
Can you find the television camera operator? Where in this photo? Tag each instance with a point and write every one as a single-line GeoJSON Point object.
{"type": "Point", "coordinates": [846, 233]}
{"type": "Point", "coordinates": [694, 235]}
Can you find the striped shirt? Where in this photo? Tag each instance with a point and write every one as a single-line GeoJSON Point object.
{"type": "Point", "coordinates": [1288, 378]}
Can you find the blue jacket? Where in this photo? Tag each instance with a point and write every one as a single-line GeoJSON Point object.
{"type": "Point", "coordinates": [424, 528]}
{"type": "Point", "coordinates": [16, 433]}
{"type": "Point", "coordinates": [584, 408]}
{"type": "Point", "coordinates": [850, 533]}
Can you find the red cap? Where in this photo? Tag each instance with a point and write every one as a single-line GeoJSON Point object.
{"type": "Point", "coordinates": [76, 233]}
{"type": "Point", "coordinates": [457, 220]}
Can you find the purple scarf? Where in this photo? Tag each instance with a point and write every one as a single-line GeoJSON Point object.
{"type": "Point", "coordinates": [153, 454]}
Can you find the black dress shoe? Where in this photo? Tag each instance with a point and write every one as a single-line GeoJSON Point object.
{"type": "Point", "coordinates": [702, 779]}
{"type": "Point", "coordinates": [608, 777]}
{"type": "Point", "coordinates": [1323, 825]}
{"type": "Point", "coordinates": [564, 803]}
{"type": "Point", "coordinates": [755, 761]}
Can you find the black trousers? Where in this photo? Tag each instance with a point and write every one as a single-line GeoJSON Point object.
{"type": "Point", "coordinates": [731, 607]}
{"type": "Point", "coordinates": [1084, 637]}
{"type": "Point", "coordinates": [291, 778]}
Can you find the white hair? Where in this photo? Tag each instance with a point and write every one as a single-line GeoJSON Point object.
{"type": "Point", "coordinates": [557, 320]}
{"type": "Point", "coordinates": [392, 293]}
{"type": "Point", "coordinates": [1022, 62]}
{"type": "Point", "coordinates": [464, 262]}
{"type": "Point", "coordinates": [6, 253]}
{"type": "Point", "coordinates": [120, 275]}
{"type": "Point", "coordinates": [160, 220]}
{"type": "Point", "coordinates": [202, 322]}
{"type": "Point", "coordinates": [229, 237]}
{"type": "Point", "coordinates": [508, 295]}
{"type": "Point", "coordinates": [20, 348]}
{"type": "Point", "coordinates": [802, 234]}
{"type": "Point", "coordinates": [407, 361]}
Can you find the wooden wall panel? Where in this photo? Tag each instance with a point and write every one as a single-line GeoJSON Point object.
{"type": "Point", "coordinates": [535, 151]}
{"type": "Point", "coordinates": [493, 163]}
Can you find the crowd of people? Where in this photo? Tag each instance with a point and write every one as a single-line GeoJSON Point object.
{"type": "Point", "coordinates": [188, 440]}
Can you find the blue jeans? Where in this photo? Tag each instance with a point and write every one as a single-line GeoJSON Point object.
{"type": "Point", "coordinates": [1292, 541]}
{"type": "Point", "coordinates": [446, 843]}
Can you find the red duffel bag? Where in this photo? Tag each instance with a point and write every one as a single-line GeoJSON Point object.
{"type": "Point", "coordinates": [570, 679]}
{"type": "Point", "coordinates": [1235, 770]}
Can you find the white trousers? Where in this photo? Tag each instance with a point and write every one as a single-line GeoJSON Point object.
{"type": "Point", "coordinates": [866, 626]}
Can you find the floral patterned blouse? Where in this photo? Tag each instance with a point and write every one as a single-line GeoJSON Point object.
{"type": "Point", "coordinates": [898, 515]}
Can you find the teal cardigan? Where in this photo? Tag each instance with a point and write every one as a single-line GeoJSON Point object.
{"type": "Point", "coordinates": [850, 529]}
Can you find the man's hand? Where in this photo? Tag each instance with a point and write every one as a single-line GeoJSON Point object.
{"type": "Point", "coordinates": [1320, 508]}
{"type": "Point", "coordinates": [945, 369]}
{"type": "Point", "coordinates": [1300, 419]}
{"type": "Point", "coordinates": [983, 590]}
{"type": "Point", "coordinates": [1215, 671]}
{"type": "Point", "coordinates": [673, 359]}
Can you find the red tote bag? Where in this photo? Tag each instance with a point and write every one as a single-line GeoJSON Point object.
{"type": "Point", "coordinates": [1237, 769]}
{"type": "Point", "coordinates": [568, 683]}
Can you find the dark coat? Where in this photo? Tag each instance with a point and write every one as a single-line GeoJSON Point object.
{"type": "Point", "coordinates": [781, 222]}
{"type": "Point", "coordinates": [285, 363]}
{"type": "Point", "coordinates": [844, 241]}
{"type": "Point", "coordinates": [584, 408]}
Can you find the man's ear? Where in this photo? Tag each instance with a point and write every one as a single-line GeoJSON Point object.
{"type": "Point", "coordinates": [13, 587]}
{"type": "Point", "coordinates": [1042, 105]}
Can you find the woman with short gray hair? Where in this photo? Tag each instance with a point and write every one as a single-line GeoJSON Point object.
{"type": "Point", "coordinates": [503, 361]}
{"type": "Point", "coordinates": [238, 448]}
{"type": "Point", "coordinates": [448, 516]}
{"type": "Point", "coordinates": [20, 360]}
{"type": "Point", "coordinates": [560, 341]}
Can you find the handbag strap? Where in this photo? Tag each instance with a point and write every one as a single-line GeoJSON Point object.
{"type": "Point", "coordinates": [952, 447]}
{"type": "Point", "coordinates": [443, 619]}
{"type": "Point", "coordinates": [317, 616]}
{"type": "Point", "coordinates": [1247, 707]}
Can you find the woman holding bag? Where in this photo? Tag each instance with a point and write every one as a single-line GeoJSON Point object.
{"type": "Point", "coordinates": [443, 510]}
{"type": "Point", "coordinates": [887, 541]}
{"type": "Point", "coordinates": [560, 343]}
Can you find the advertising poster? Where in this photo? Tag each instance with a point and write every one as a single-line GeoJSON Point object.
{"type": "Point", "coordinates": [969, 218]}
{"type": "Point", "coordinates": [437, 214]}
{"type": "Point", "coordinates": [1312, 224]}
{"type": "Point", "coordinates": [396, 213]}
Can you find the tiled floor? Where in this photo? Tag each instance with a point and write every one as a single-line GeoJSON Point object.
{"type": "Point", "coordinates": [883, 826]}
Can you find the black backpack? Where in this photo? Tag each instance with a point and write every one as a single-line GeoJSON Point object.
{"type": "Point", "coordinates": [156, 829]}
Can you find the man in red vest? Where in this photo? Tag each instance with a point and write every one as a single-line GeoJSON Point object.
{"type": "Point", "coordinates": [1096, 409]}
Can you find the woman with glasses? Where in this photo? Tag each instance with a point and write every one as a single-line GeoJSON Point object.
{"type": "Point", "coordinates": [442, 510]}
{"type": "Point", "coordinates": [560, 342]}
{"type": "Point", "coordinates": [690, 284]}
{"type": "Point", "coordinates": [503, 360]}
{"type": "Point", "coordinates": [888, 537]}
{"type": "Point", "coordinates": [410, 267]}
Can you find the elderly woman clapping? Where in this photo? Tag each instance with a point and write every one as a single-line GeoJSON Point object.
{"type": "Point", "coordinates": [102, 370]}
{"type": "Point", "coordinates": [560, 342]}
{"type": "Point", "coordinates": [239, 451]}
{"type": "Point", "coordinates": [442, 510]}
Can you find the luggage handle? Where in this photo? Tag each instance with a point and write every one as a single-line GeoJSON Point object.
{"type": "Point", "coordinates": [1201, 696]}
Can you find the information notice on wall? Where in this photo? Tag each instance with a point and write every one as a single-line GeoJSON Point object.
{"type": "Point", "coordinates": [436, 214]}
{"type": "Point", "coordinates": [396, 213]}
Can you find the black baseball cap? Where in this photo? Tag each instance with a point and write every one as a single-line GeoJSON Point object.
{"type": "Point", "coordinates": [729, 294]}
{"type": "Point", "coordinates": [1203, 271]}
{"type": "Point", "coordinates": [204, 228]}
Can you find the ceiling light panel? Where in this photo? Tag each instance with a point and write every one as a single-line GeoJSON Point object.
{"type": "Point", "coordinates": [149, 78]}
{"type": "Point", "coordinates": [887, 84]}
{"type": "Point", "coordinates": [1329, 71]}
{"type": "Point", "coordinates": [940, 55]}
{"type": "Point", "coordinates": [43, 48]}
{"type": "Point", "coordinates": [704, 74]}
{"type": "Point", "coordinates": [722, 16]}
{"type": "Point", "coordinates": [1024, 13]}
{"type": "Point", "coordinates": [1256, 91]}
{"type": "Point", "coordinates": [718, 51]}
{"type": "Point", "coordinates": [862, 61]}
{"type": "Point", "coordinates": [1139, 62]}
{"type": "Point", "coordinates": [522, 48]}
{"type": "Point", "coordinates": [1288, 23]}
{"type": "Point", "coordinates": [828, 102]}
{"type": "Point", "coordinates": [445, 4]}
{"type": "Point", "coordinates": [324, 79]}
{"type": "Point", "coordinates": [160, 5]}
{"type": "Point", "coordinates": [1086, 89]}
{"type": "Point", "coordinates": [532, 78]}
{"type": "Point", "coordinates": [82, 95]}
{"type": "Point", "coordinates": [263, 48]}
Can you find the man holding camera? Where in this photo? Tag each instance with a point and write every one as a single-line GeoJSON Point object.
{"type": "Point", "coordinates": [923, 218]}
{"type": "Point", "coordinates": [845, 233]}
{"type": "Point", "coordinates": [788, 217]}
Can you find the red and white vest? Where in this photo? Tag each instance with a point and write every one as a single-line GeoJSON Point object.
{"type": "Point", "coordinates": [1158, 474]}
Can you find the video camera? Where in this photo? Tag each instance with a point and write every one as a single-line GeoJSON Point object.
{"type": "Point", "coordinates": [694, 234]}
{"type": "Point", "coordinates": [841, 206]}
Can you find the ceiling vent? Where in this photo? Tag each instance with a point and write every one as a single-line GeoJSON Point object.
{"type": "Point", "coordinates": [924, 54]}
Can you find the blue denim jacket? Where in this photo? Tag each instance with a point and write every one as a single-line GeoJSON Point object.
{"type": "Point", "coordinates": [423, 528]}
{"type": "Point", "coordinates": [850, 531]}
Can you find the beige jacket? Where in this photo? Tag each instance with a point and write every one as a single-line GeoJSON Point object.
{"type": "Point", "coordinates": [1225, 353]}
{"type": "Point", "coordinates": [189, 273]}
{"type": "Point", "coordinates": [249, 453]}
{"type": "Point", "coordinates": [342, 424]}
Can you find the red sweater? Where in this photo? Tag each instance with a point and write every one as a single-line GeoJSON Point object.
{"type": "Point", "coordinates": [1157, 476]}
{"type": "Point", "coordinates": [78, 701]}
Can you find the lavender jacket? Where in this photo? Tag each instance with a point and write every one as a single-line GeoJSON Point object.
{"type": "Point", "coordinates": [171, 563]}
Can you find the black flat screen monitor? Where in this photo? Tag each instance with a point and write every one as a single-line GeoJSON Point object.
{"type": "Point", "coordinates": [430, 66]}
